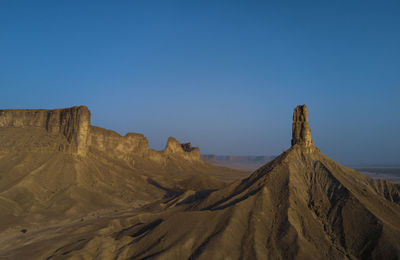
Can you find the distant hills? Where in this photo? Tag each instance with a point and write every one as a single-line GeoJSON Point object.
{"type": "Point", "coordinates": [248, 163]}
{"type": "Point", "coordinates": [390, 172]}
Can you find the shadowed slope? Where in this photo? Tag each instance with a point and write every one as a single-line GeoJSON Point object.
{"type": "Point", "coordinates": [302, 205]}
{"type": "Point", "coordinates": [55, 166]}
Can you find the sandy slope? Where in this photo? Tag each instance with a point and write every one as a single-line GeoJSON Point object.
{"type": "Point", "coordinates": [40, 184]}
{"type": "Point", "coordinates": [302, 205]}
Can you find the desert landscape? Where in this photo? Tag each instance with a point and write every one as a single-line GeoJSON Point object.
{"type": "Point", "coordinates": [181, 130]}
{"type": "Point", "coordinates": [70, 190]}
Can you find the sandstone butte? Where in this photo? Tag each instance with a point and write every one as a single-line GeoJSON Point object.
{"type": "Point", "coordinates": [301, 205]}
{"type": "Point", "coordinates": [74, 125]}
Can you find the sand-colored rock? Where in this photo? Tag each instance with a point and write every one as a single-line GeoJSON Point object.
{"type": "Point", "coordinates": [187, 147]}
{"type": "Point", "coordinates": [122, 147]}
{"type": "Point", "coordinates": [301, 205]}
{"type": "Point", "coordinates": [301, 132]}
{"type": "Point", "coordinates": [55, 166]}
{"type": "Point", "coordinates": [72, 123]}
{"type": "Point", "coordinates": [184, 150]}
{"type": "Point", "coordinates": [173, 146]}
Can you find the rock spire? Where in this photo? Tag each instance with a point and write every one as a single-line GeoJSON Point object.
{"type": "Point", "coordinates": [301, 132]}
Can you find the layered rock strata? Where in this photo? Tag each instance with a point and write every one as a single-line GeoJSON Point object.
{"type": "Point", "coordinates": [73, 124]}
{"type": "Point", "coordinates": [122, 147]}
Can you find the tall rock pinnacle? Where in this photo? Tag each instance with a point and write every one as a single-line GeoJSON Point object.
{"type": "Point", "coordinates": [301, 132]}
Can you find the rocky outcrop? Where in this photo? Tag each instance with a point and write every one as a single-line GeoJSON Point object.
{"type": "Point", "coordinates": [184, 150]}
{"type": "Point", "coordinates": [301, 132]}
{"type": "Point", "coordinates": [173, 146]}
{"type": "Point", "coordinates": [122, 147]}
{"type": "Point", "coordinates": [187, 147]}
{"type": "Point", "coordinates": [301, 205]}
{"type": "Point", "coordinates": [72, 123]}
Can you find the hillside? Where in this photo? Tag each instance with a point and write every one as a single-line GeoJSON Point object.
{"type": "Point", "coordinates": [301, 205]}
{"type": "Point", "coordinates": [54, 165]}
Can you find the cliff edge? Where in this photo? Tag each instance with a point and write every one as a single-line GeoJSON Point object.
{"type": "Point", "coordinates": [73, 125]}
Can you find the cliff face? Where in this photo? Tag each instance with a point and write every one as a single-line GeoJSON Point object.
{"type": "Point", "coordinates": [302, 205]}
{"type": "Point", "coordinates": [184, 150]}
{"type": "Point", "coordinates": [122, 147]}
{"type": "Point", "coordinates": [72, 123]}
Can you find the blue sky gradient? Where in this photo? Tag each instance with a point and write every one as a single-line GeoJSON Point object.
{"type": "Point", "coordinates": [224, 75]}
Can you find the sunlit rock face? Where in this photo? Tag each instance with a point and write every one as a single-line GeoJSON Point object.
{"type": "Point", "coordinates": [78, 136]}
{"type": "Point", "coordinates": [72, 123]}
{"type": "Point", "coordinates": [173, 146]}
{"type": "Point", "coordinates": [112, 143]}
{"type": "Point", "coordinates": [184, 150]}
{"type": "Point", "coordinates": [301, 132]}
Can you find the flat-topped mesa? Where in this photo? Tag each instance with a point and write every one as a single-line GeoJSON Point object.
{"type": "Point", "coordinates": [71, 131]}
{"type": "Point", "coordinates": [301, 132]}
{"type": "Point", "coordinates": [72, 123]}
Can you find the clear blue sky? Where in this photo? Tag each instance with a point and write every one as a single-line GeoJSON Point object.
{"type": "Point", "coordinates": [224, 75]}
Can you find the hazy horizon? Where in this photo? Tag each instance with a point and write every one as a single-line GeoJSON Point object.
{"type": "Point", "coordinates": [225, 76]}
